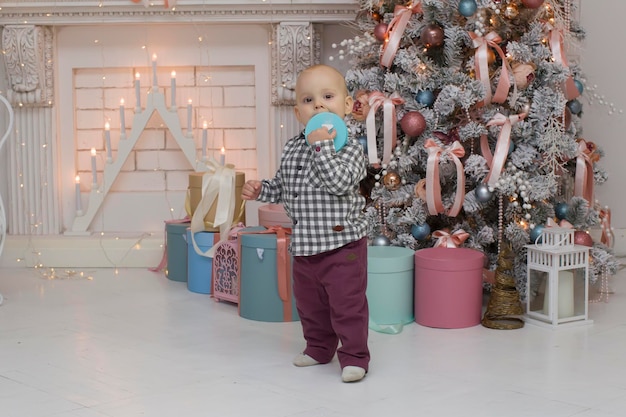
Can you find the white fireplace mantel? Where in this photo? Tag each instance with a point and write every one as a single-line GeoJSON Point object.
{"type": "Point", "coordinates": [293, 24]}
{"type": "Point", "coordinates": [81, 12]}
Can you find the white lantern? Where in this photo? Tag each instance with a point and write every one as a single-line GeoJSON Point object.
{"type": "Point", "coordinates": [557, 284]}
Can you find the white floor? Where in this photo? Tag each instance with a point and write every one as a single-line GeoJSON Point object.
{"type": "Point", "coordinates": [137, 344]}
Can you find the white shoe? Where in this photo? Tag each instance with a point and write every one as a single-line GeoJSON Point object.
{"type": "Point", "coordinates": [304, 360]}
{"type": "Point", "coordinates": [352, 374]}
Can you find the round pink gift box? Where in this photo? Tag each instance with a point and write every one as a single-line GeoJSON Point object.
{"type": "Point", "coordinates": [448, 287]}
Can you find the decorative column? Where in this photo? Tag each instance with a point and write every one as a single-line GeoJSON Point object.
{"type": "Point", "coordinates": [32, 191]}
{"type": "Point", "coordinates": [295, 46]}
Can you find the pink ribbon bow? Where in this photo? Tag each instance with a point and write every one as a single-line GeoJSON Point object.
{"type": "Point", "coordinates": [583, 183]}
{"type": "Point", "coordinates": [558, 53]}
{"type": "Point", "coordinates": [496, 162]}
{"type": "Point", "coordinates": [481, 65]}
{"type": "Point", "coordinates": [433, 187]}
{"type": "Point", "coordinates": [395, 31]}
{"type": "Point", "coordinates": [447, 240]}
{"type": "Point", "coordinates": [605, 224]}
{"type": "Point", "coordinates": [563, 223]}
{"type": "Point", "coordinates": [377, 99]}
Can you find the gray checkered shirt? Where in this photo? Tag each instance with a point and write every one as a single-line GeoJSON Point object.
{"type": "Point", "coordinates": [320, 191]}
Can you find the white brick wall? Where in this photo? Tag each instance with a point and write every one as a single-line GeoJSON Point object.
{"type": "Point", "coordinates": [223, 96]}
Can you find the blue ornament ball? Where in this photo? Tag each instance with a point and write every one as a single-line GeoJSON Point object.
{"type": "Point", "coordinates": [420, 231]}
{"type": "Point", "coordinates": [575, 106]}
{"type": "Point", "coordinates": [560, 210]}
{"type": "Point", "coordinates": [535, 233]}
{"type": "Point", "coordinates": [511, 147]}
{"type": "Point", "coordinates": [363, 142]}
{"type": "Point", "coordinates": [381, 240]}
{"type": "Point", "coordinates": [579, 86]}
{"type": "Point", "coordinates": [467, 7]}
{"type": "Point", "coordinates": [425, 97]}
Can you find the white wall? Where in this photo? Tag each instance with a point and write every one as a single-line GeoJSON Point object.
{"type": "Point", "coordinates": [603, 62]}
{"type": "Point", "coordinates": [125, 47]}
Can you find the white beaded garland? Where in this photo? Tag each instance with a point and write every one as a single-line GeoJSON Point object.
{"type": "Point", "coordinates": [513, 183]}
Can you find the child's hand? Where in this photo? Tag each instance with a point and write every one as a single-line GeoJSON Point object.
{"type": "Point", "coordinates": [323, 133]}
{"type": "Point", "coordinates": [251, 190]}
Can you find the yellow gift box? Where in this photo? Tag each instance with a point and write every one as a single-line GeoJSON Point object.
{"type": "Point", "coordinates": [199, 185]}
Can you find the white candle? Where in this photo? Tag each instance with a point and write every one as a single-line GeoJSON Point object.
{"type": "Point", "coordinates": [155, 81]}
{"type": "Point", "coordinates": [79, 204]}
{"type": "Point", "coordinates": [565, 294]}
{"type": "Point", "coordinates": [173, 87]}
{"type": "Point", "coordinates": [107, 139]}
{"type": "Point", "coordinates": [94, 174]}
{"type": "Point", "coordinates": [137, 92]}
{"type": "Point", "coordinates": [223, 156]}
{"type": "Point", "coordinates": [122, 119]}
{"type": "Point", "coordinates": [204, 132]}
{"type": "Point", "coordinates": [189, 118]}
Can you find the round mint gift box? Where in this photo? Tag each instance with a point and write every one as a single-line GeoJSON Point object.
{"type": "Point", "coordinates": [448, 287]}
{"type": "Point", "coordinates": [390, 286]}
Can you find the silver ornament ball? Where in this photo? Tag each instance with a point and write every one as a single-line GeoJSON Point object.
{"type": "Point", "coordinates": [381, 240]}
{"type": "Point", "coordinates": [483, 194]}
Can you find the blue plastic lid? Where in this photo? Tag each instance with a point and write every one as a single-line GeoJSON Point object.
{"type": "Point", "coordinates": [330, 121]}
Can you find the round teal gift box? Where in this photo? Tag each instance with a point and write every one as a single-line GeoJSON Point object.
{"type": "Point", "coordinates": [176, 251]}
{"type": "Point", "coordinates": [259, 297]}
{"type": "Point", "coordinates": [390, 287]}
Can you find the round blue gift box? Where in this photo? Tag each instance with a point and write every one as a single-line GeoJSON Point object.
{"type": "Point", "coordinates": [199, 267]}
{"type": "Point", "coordinates": [390, 285]}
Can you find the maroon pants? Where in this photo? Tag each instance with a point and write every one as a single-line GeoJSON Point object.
{"type": "Point", "coordinates": [330, 297]}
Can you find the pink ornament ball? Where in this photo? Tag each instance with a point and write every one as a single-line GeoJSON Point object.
{"type": "Point", "coordinates": [380, 31]}
{"type": "Point", "coordinates": [532, 4]}
{"type": "Point", "coordinates": [582, 238]}
{"type": "Point", "coordinates": [432, 35]}
{"type": "Point", "coordinates": [413, 123]}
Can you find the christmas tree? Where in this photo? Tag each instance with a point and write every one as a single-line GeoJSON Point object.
{"type": "Point", "coordinates": [470, 115]}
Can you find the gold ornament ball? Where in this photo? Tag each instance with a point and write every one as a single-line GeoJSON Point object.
{"type": "Point", "coordinates": [511, 11]}
{"type": "Point", "coordinates": [491, 56]}
{"type": "Point", "coordinates": [582, 238]}
{"type": "Point", "coordinates": [392, 181]}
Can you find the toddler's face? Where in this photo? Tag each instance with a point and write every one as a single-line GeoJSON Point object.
{"type": "Point", "coordinates": [320, 90]}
